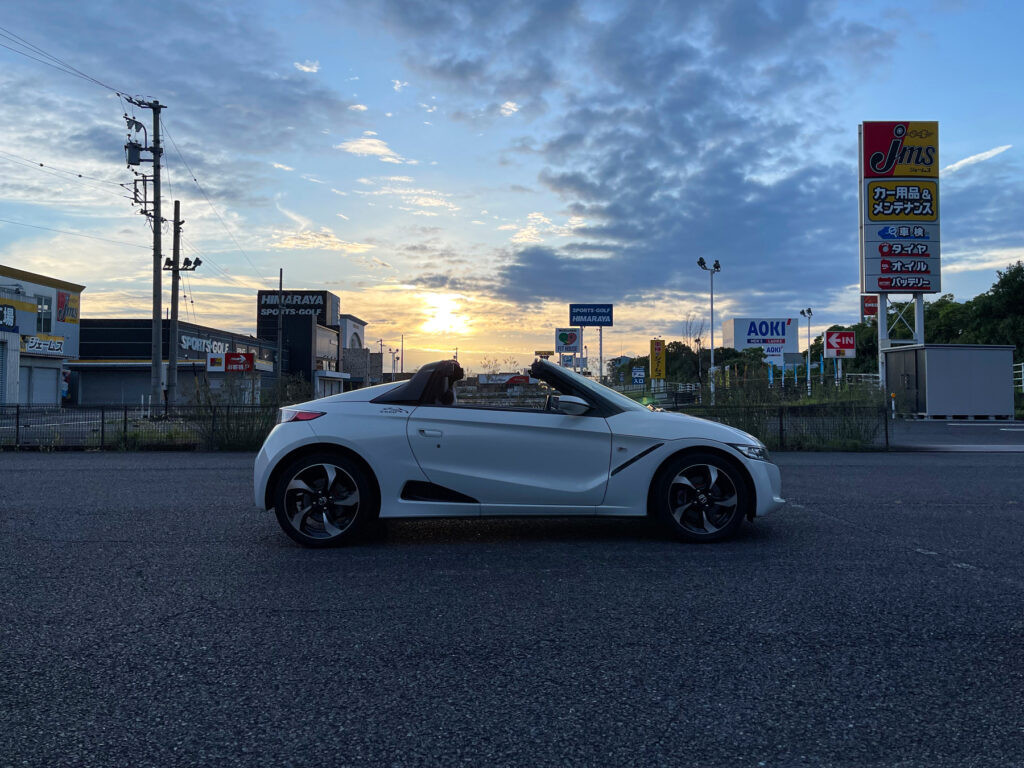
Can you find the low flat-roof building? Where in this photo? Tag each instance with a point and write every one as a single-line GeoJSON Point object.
{"type": "Point", "coordinates": [39, 333]}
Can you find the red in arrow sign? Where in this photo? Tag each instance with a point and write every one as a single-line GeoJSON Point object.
{"type": "Point", "coordinates": [840, 340]}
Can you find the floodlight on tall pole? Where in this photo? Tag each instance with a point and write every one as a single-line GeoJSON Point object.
{"type": "Point", "coordinates": [716, 267]}
{"type": "Point", "coordinates": [808, 314]}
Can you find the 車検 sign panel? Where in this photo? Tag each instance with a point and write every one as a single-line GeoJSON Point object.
{"type": "Point", "coordinates": [868, 305]}
{"type": "Point", "coordinates": [840, 344]}
{"type": "Point", "coordinates": [590, 314]}
{"type": "Point", "coordinates": [899, 195]}
{"type": "Point", "coordinates": [567, 340]}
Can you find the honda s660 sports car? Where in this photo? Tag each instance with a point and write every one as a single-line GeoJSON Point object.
{"type": "Point", "coordinates": [568, 446]}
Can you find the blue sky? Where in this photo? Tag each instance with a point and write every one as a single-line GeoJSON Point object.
{"type": "Point", "coordinates": [459, 172]}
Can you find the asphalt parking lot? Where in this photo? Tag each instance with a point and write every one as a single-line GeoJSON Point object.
{"type": "Point", "coordinates": [151, 616]}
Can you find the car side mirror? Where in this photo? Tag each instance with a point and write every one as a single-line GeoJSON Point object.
{"type": "Point", "coordinates": [572, 405]}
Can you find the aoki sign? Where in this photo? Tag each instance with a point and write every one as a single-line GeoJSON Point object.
{"type": "Point", "coordinates": [778, 336]}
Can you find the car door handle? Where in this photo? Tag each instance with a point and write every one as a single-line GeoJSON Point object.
{"type": "Point", "coordinates": [431, 432]}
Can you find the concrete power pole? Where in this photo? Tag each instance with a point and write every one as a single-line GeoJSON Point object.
{"type": "Point", "coordinates": [157, 345]}
{"type": "Point", "coordinates": [172, 337]}
{"type": "Point", "coordinates": [133, 150]}
{"type": "Point", "coordinates": [280, 333]}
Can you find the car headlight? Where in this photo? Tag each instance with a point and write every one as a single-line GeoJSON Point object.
{"type": "Point", "coordinates": [758, 452]}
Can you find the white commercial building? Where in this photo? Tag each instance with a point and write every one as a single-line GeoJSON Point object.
{"type": "Point", "coordinates": [39, 332]}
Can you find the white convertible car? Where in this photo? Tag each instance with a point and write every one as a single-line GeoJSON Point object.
{"type": "Point", "coordinates": [416, 449]}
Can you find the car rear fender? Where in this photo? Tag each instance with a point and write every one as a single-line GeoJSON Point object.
{"type": "Point", "coordinates": [314, 448]}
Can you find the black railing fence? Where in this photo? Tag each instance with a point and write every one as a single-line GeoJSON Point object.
{"type": "Point", "coordinates": [200, 427]}
{"type": "Point", "coordinates": [833, 426]}
{"type": "Point", "coordinates": [822, 427]}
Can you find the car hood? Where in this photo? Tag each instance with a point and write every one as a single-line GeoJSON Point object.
{"type": "Point", "coordinates": [666, 425]}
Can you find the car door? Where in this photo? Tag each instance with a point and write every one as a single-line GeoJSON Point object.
{"type": "Point", "coordinates": [514, 461]}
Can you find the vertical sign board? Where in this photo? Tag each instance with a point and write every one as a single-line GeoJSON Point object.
{"type": "Point", "coordinates": [657, 358]}
{"type": "Point", "coordinates": [899, 194]}
{"type": "Point", "coordinates": [567, 340]}
{"type": "Point", "coordinates": [868, 305]}
{"type": "Point", "coordinates": [840, 344]}
{"type": "Point", "coordinates": [639, 374]}
{"type": "Point", "coordinates": [582, 315]}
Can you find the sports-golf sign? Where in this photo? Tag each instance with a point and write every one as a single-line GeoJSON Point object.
{"type": "Point", "coordinates": [567, 340]}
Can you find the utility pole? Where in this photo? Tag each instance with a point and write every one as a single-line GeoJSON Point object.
{"type": "Point", "coordinates": [173, 266]}
{"type": "Point", "coordinates": [280, 332]}
{"type": "Point", "coordinates": [172, 337]}
{"type": "Point", "coordinates": [156, 389]}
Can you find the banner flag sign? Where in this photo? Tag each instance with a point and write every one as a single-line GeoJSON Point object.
{"type": "Point", "coordinates": [657, 358]}
{"type": "Point", "coordinates": [899, 200]}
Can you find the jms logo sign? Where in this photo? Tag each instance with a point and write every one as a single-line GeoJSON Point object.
{"type": "Point", "coordinates": [901, 149]}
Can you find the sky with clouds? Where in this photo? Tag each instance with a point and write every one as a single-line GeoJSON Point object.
{"type": "Point", "coordinates": [459, 172]}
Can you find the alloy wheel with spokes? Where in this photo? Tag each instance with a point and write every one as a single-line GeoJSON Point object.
{"type": "Point", "coordinates": [702, 497]}
{"type": "Point", "coordinates": [321, 500]}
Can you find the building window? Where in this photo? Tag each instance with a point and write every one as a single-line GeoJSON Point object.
{"type": "Point", "coordinates": [44, 314]}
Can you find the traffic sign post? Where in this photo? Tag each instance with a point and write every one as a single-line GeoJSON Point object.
{"type": "Point", "coordinates": [840, 344]}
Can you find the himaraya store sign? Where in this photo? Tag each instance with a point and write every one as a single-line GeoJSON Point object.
{"type": "Point", "coordinates": [899, 193]}
{"type": "Point", "coordinates": [590, 314]}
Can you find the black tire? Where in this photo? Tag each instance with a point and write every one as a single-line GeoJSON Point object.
{"type": "Point", "coordinates": [701, 497]}
{"type": "Point", "coordinates": [323, 500]}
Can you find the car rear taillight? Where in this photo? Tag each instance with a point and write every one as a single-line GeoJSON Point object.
{"type": "Point", "coordinates": [290, 414]}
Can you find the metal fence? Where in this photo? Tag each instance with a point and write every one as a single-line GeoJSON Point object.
{"type": "Point", "coordinates": [835, 426]}
{"type": "Point", "coordinates": [832, 426]}
{"type": "Point", "coordinates": [220, 427]}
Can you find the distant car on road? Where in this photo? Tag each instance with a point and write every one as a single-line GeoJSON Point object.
{"type": "Point", "coordinates": [411, 449]}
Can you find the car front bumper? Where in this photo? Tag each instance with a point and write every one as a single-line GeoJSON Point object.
{"type": "Point", "coordinates": [767, 485]}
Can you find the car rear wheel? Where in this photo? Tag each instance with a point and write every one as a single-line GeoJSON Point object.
{"type": "Point", "coordinates": [701, 497]}
{"type": "Point", "coordinates": [323, 500]}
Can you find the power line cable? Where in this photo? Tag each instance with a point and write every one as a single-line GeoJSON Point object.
{"type": "Point", "coordinates": [59, 64]}
{"type": "Point", "coordinates": [41, 167]}
{"type": "Point", "coordinates": [210, 202]}
{"type": "Point", "coordinates": [60, 170]}
{"type": "Point", "coordinates": [76, 234]}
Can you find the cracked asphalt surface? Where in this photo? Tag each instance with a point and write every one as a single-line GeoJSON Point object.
{"type": "Point", "coordinates": [150, 616]}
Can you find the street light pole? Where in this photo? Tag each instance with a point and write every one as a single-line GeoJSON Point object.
{"type": "Point", "coordinates": [808, 314]}
{"type": "Point", "coordinates": [716, 267]}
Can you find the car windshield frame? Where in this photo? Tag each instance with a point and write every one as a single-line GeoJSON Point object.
{"type": "Point", "coordinates": [605, 399]}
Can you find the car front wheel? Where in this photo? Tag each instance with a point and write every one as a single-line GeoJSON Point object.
{"type": "Point", "coordinates": [323, 500]}
{"type": "Point", "coordinates": [701, 497]}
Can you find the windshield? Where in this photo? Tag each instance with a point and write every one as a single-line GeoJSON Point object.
{"type": "Point", "coordinates": [603, 392]}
